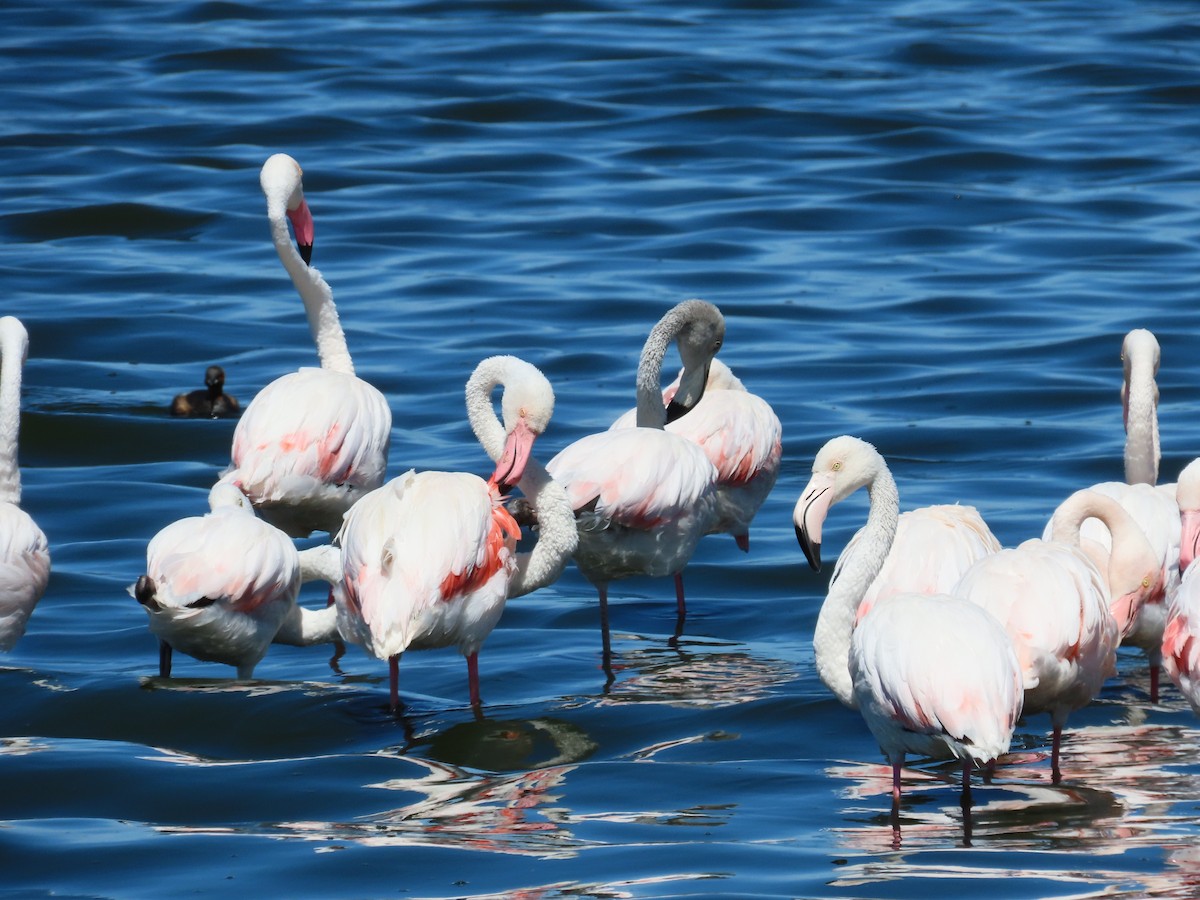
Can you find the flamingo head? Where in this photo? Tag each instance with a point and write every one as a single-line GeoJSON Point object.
{"type": "Point", "coordinates": [698, 340]}
{"type": "Point", "coordinates": [281, 182]}
{"type": "Point", "coordinates": [840, 468]}
{"type": "Point", "coordinates": [526, 407]}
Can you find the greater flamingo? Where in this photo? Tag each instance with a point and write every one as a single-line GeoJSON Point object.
{"type": "Point", "coordinates": [210, 403]}
{"type": "Point", "coordinates": [1058, 606]}
{"type": "Point", "coordinates": [1154, 508]}
{"type": "Point", "coordinates": [220, 587]}
{"type": "Point", "coordinates": [931, 675]}
{"type": "Point", "coordinates": [1181, 638]}
{"type": "Point", "coordinates": [643, 497]}
{"type": "Point", "coordinates": [311, 442]}
{"type": "Point", "coordinates": [429, 558]}
{"type": "Point", "coordinates": [742, 437]}
{"type": "Point", "coordinates": [24, 553]}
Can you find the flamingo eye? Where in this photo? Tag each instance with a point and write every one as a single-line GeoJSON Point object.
{"type": "Point", "coordinates": [1146, 582]}
{"type": "Point", "coordinates": [837, 466]}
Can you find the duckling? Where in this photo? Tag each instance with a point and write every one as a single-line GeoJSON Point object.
{"type": "Point", "coordinates": [211, 403]}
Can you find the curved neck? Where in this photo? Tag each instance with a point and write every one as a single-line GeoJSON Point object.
{"type": "Point", "coordinates": [1142, 452]}
{"type": "Point", "coordinates": [13, 343]}
{"type": "Point", "coordinates": [651, 411]}
{"type": "Point", "coordinates": [481, 413]}
{"type": "Point", "coordinates": [557, 532]}
{"type": "Point", "coordinates": [835, 623]}
{"type": "Point", "coordinates": [1129, 542]}
{"type": "Point", "coordinates": [303, 627]}
{"type": "Point", "coordinates": [323, 320]}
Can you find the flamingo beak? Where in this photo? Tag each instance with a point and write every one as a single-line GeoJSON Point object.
{"type": "Point", "coordinates": [302, 226]}
{"type": "Point", "coordinates": [518, 447]}
{"type": "Point", "coordinates": [809, 516]}
{"type": "Point", "coordinates": [691, 389]}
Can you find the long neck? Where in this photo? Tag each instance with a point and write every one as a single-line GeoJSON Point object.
{"type": "Point", "coordinates": [303, 627]}
{"type": "Point", "coordinates": [1128, 541]}
{"type": "Point", "coordinates": [835, 623]}
{"type": "Point", "coordinates": [322, 315]}
{"type": "Point", "coordinates": [1142, 453]}
{"type": "Point", "coordinates": [12, 356]}
{"type": "Point", "coordinates": [481, 413]}
{"type": "Point", "coordinates": [651, 411]}
{"type": "Point", "coordinates": [557, 532]}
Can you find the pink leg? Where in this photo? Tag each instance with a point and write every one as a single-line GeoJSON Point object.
{"type": "Point", "coordinates": [1153, 683]}
{"type": "Point", "coordinates": [896, 783]}
{"type": "Point", "coordinates": [966, 802]}
{"type": "Point", "coordinates": [473, 678]}
{"type": "Point", "coordinates": [680, 605]}
{"type": "Point", "coordinates": [1055, 747]}
{"type": "Point", "coordinates": [394, 676]}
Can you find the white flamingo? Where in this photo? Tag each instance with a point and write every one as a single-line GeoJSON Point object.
{"type": "Point", "coordinates": [931, 675]}
{"type": "Point", "coordinates": [429, 558]}
{"type": "Point", "coordinates": [311, 442]}
{"type": "Point", "coordinates": [643, 497]}
{"type": "Point", "coordinates": [24, 553]}
{"type": "Point", "coordinates": [1058, 606]}
{"type": "Point", "coordinates": [743, 439]}
{"type": "Point", "coordinates": [220, 587]}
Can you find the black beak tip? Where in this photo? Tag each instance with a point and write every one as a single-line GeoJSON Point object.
{"type": "Point", "coordinates": [812, 552]}
{"type": "Point", "coordinates": [306, 253]}
{"type": "Point", "coordinates": [676, 411]}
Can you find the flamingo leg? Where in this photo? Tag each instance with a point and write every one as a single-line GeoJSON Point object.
{"type": "Point", "coordinates": [605, 641]}
{"type": "Point", "coordinates": [1055, 749]}
{"type": "Point", "coordinates": [966, 802]}
{"type": "Point", "coordinates": [394, 677]}
{"type": "Point", "coordinates": [164, 659]}
{"type": "Point", "coordinates": [680, 604]}
{"type": "Point", "coordinates": [473, 678]}
{"type": "Point", "coordinates": [1153, 682]}
{"type": "Point", "coordinates": [896, 764]}
{"type": "Point", "coordinates": [743, 542]}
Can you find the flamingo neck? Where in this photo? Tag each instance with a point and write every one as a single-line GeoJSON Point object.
{"type": "Point", "coordinates": [1129, 545]}
{"type": "Point", "coordinates": [486, 425]}
{"type": "Point", "coordinates": [1142, 452]}
{"type": "Point", "coordinates": [854, 574]}
{"type": "Point", "coordinates": [303, 627]}
{"type": "Point", "coordinates": [323, 321]}
{"type": "Point", "coordinates": [13, 343]}
{"type": "Point", "coordinates": [558, 535]}
{"type": "Point", "coordinates": [651, 413]}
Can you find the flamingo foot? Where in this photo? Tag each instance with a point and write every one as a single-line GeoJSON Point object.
{"type": "Point", "coordinates": [743, 542]}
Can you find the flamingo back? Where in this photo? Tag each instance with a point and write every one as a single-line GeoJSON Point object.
{"type": "Point", "coordinates": [427, 560]}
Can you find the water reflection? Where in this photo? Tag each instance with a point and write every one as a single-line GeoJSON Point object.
{"type": "Point", "coordinates": [692, 673]}
{"type": "Point", "coordinates": [1129, 790]}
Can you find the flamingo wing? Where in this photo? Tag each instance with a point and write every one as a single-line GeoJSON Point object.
{"type": "Point", "coordinates": [24, 571]}
{"type": "Point", "coordinates": [637, 478]}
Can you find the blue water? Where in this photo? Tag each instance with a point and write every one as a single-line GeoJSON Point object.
{"type": "Point", "coordinates": [929, 224]}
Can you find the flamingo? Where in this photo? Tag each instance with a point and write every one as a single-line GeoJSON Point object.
{"type": "Point", "coordinates": [220, 587]}
{"type": "Point", "coordinates": [429, 558]}
{"type": "Point", "coordinates": [1181, 638]}
{"type": "Point", "coordinates": [1187, 498]}
{"type": "Point", "coordinates": [1154, 508]}
{"type": "Point", "coordinates": [930, 674]}
{"type": "Point", "coordinates": [210, 403]}
{"type": "Point", "coordinates": [742, 437]}
{"type": "Point", "coordinates": [643, 497]}
{"type": "Point", "coordinates": [24, 552]}
{"type": "Point", "coordinates": [312, 442]}
{"type": "Point", "coordinates": [1061, 610]}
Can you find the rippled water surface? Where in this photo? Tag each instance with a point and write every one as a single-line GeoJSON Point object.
{"type": "Point", "coordinates": [929, 224]}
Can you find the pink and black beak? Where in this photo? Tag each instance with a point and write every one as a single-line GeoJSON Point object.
{"type": "Point", "coordinates": [809, 516]}
{"type": "Point", "coordinates": [691, 389]}
{"type": "Point", "coordinates": [302, 227]}
{"type": "Point", "coordinates": [518, 447]}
